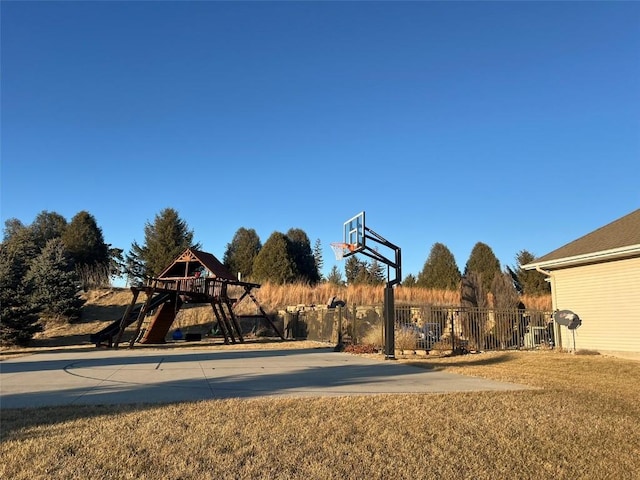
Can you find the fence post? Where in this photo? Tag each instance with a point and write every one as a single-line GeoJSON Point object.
{"type": "Point", "coordinates": [339, 345]}
{"type": "Point", "coordinates": [453, 332]}
{"type": "Point", "coordinates": [354, 327]}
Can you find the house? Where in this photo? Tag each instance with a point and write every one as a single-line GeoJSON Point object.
{"type": "Point", "coordinates": [597, 277]}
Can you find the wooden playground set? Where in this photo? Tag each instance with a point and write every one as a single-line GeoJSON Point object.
{"type": "Point", "coordinates": [194, 277]}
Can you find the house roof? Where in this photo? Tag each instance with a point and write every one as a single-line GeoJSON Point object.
{"type": "Point", "coordinates": [618, 239]}
{"type": "Point", "coordinates": [207, 260]}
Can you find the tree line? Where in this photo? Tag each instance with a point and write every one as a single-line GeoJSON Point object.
{"type": "Point", "coordinates": [44, 265]}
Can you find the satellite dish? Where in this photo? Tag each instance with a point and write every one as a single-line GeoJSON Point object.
{"type": "Point", "coordinates": [567, 318]}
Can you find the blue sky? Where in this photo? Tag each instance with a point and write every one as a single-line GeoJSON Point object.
{"type": "Point", "coordinates": [515, 124]}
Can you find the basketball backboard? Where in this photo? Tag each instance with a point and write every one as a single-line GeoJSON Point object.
{"type": "Point", "coordinates": [354, 232]}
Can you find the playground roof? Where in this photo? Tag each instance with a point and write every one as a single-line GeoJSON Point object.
{"type": "Point", "coordinates": [186, 264]}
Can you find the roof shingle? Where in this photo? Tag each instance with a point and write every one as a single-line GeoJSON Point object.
{"type": "Point", "coordinates": [620, 233]}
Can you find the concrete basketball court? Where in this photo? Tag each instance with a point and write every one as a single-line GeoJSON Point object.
{"type": "Point", "coordinates": [124, 376]}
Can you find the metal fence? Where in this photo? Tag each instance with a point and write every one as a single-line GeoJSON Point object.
{"type": "Point", "coordinates": [426, 327]}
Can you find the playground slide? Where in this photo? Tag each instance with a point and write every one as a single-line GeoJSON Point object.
{"type": "Point", "coordinates": [110, 331]}
{"type": "Point", "coordinates": [160, 324]}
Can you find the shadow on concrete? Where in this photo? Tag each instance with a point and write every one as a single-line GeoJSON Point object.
{"type": "Point", "coordinates": [467, 362]}
{"type": "Point", "coordinates": [121, 357]}
{"type": "Point", "coordinates": [81, 343]}
{"type": "Point", "coordinates": [111, 396]}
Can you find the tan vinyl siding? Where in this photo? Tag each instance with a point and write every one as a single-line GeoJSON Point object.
{"type": "Point", "coordinates": [606, 296]}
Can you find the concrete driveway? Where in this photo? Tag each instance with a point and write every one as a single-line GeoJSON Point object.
{"type": "Point", "coordinates": [165, 376]}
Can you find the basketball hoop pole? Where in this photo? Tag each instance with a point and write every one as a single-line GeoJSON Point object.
{"type": "Point", "coordinates": [389, 301]}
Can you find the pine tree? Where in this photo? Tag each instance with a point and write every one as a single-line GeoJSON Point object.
{"type": "Point", "coordinates": [317, 257]}
{"type": "Point", "coordinates": [355, 270]}
{"type": "Point", "coordinates": [55, 282]}
{"type": "Point", "coordinates": [20, 320]}
{"type": "Point", "coordinates": [84, 241]}
{"type": "Point", "coordinates": [300, 248]}
{"type": "Point", "coordinates": [116, 262]}
{"type": "Point", "coordinates": [48, 225]}
{"type": "Point", "coordinates": [89, 254]}
{"type": "Point", "coordinates": [483, 262]}
{"type": "Point", "coordinates": [242, 252]}
{"type": "Point", "coordinates": [274, 263]}
{"type": "Point", "coordinates": [19, 240]}
{"type": "Point", "coordinates": [375, 273]}
{"type": "Point", "coordinates": [409, 281]}
{"type": "Point", "coordinates": [528, 282]}
{"type": "Point", "coordinates": [164, 240]}
{"type": "Point", "coordinates": [12, 227]}
{"type": "Point", "coordinates": [440, 270]}
{"type": "Point", "coordinates": [335, 277]}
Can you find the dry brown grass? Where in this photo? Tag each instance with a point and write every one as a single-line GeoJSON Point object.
{"type": "Point", "coordinates": [537, 302]}
{"type": "Point", "coordinates": [583, 422]}
{"type": "Point", "coordinates": [106, 305]}
{"type": "Point", "coordinates": [278, 296]}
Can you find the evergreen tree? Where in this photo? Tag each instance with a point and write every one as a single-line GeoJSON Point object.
{"type": "Point", "coordinates": [242, 252]}
{"type": "Point", "coordinates": [409, 281]}
{"type": "Point", "coordinates": [55, 282]}
{"type": "Point", "coordinates": [274, 263]}
{"type": "Point", "coordinates": [20, 240]}
{"type": "Point", "coordinates": [528, 282]}
{"type": "Point", "coordinates": [305, 264]}
{"type": "Point", "coordinates": [116, 262]}
{"type": "Point", "coordinates": [19, 314]}
{"type": "Point", "coordinates": [12, 227]}
{"type": "Point", "coordinates": [164, 240]}
{"type": "Point", "coordinates": [134, 268]}
{"type": "Point", "coordinates": [356, 270]}
{"type": "Point", "coordinates": [85, 246]}
{"type": "Point", "coordinates": [375, 273]}
{"type": "Point", "coordinates": [48, 225]}
{"type": "Point", "coordinates": [317, 257]}
{"type": "Point", "coordinates": [335, 277]}
{"type": "Point", "coordinates": [440, 270]}
{"type": "Point", "coordinates": [483, 262]}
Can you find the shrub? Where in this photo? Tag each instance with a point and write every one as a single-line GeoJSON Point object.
{"type": "Point", "coordinates": [405, 339]}
{"type": "Point", "coordinates": [374, 336]}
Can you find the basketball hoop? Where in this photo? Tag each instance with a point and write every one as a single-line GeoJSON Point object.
{"type": "Point", "coordinates": [339, 249]}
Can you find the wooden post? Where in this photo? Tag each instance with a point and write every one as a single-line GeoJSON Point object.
{"type": "Point", "coordinates": [255, 300]}
{"type": "Point", "coordinates": [127, 312]}
{"type": "Point", "coordinates": [226, 321]}
{"type": "Point", "coordinates": [234, 320]}
{"type": "Point", "coordinates": [141, 315]}
{"type": "Point", "coordinates": [221, 325]}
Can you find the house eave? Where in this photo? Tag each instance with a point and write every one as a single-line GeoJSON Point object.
{"type": "Point", "coordinates": [587, 258]}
